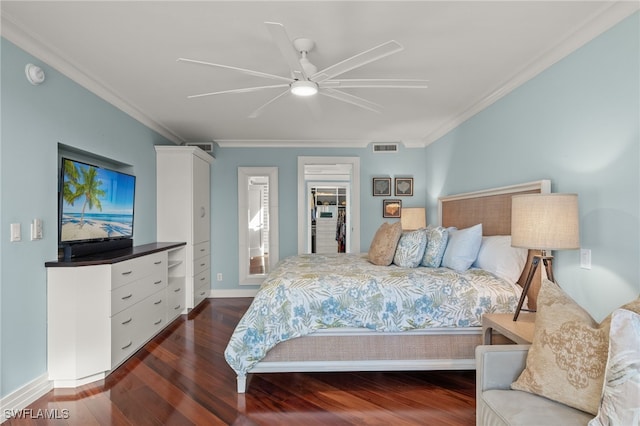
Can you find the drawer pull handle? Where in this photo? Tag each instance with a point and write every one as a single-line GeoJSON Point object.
{"type": "Point", "coordinates": [203, 293]}
{"type": "Point", "coordinates": [127, 273]}
{"type": "Point", "coordinates": [202, 249]}
{"type": "Point", "coordinates": [159, 262]}
{"type": "Point", "coordinates": [126, 346]}
{"type": "Point", "coordinates": [157, 322]}
{"type": "Point", "coordinates": [202, 279]}
{"type": "Point", "coordinates": [127, 321]}
{"type": "Point", "coordinates": [158, 302]}
{"type": "Point", "coordinates": [127, 297]}
{"type": "Point", "coordinates": [177, 290]}
{"type": "Point", "coordinates": [202, 264]}
{"type": "Point", "coordinates": [157, 282]}
{"type": "Point", "coordinates": [177, 307]}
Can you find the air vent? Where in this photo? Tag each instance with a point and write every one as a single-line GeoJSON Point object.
{"type": "Point", "coordinates": [205, 146]}
{"type": "Point", "coordinates": [385, 147]}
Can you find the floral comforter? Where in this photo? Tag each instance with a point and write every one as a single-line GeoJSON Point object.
{"type": "Point", "coordinates": [310, 292]}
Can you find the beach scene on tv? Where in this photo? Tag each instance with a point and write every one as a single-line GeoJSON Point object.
{"type": "Point", "coordinates": [97, 203]}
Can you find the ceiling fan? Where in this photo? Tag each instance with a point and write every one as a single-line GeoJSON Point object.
{"type": "Point", "coordinates": [306, 80]}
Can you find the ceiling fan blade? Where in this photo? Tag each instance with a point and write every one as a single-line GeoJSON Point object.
{"type": "Point", "coordinates": [289, 53]}
{"type": "Point", "coordinates": [245, 90]}
{"type": "Point", "coordinates": [351, 99]}
{"type": "Point", "coordinates": [242, 70]}
{"type": "Point", "coordinates": [375, 83]}
{"type": "Point", "coordinates": [358, 60]}
{"type": "Point", "coordinates": [258, 111]}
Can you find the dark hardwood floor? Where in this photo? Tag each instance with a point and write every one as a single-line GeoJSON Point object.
{"type": "Point", "coordinates": [181, 378]}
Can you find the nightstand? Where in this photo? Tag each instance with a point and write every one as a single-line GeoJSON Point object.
{"type": "Point", "coordinates": [520, 331]}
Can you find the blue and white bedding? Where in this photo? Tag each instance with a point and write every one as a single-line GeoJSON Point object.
{"type": "Point", "coordinates": [310, 292]}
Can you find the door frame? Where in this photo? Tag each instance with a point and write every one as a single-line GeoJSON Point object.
{"type": "Point", "coordinates": [303, 215]}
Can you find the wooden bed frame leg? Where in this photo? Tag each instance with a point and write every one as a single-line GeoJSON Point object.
{"type": "Point", "coordinates": [242, 383]}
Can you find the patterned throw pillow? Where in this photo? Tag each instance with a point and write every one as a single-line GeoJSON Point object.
{"type": "Point", "coordinates": [410, 248]}
{"type": "Point", "coordinates": [620, 403]}
{"type": "Point", "coordinates": [567, 358]}
{"type": "Point", "coordinates": [383, 246]}
{"type": "Point", "coordinates": [437, 238]}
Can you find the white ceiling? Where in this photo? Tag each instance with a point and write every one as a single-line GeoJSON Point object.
{"type": "Point", "coordinates": [472, 53]}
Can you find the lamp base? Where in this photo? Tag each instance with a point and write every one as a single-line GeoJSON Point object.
{"type": "Point", "coordinates": [535, 261]}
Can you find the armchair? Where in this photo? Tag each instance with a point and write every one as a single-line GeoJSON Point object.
{"type": "Point", "coordinates": [497, 366]}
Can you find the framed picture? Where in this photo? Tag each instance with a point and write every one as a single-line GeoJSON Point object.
{"type": "Point", "coordinates": [404, 187]}
{"type": "Point", "coordinates": [382, 186]}
{"type": "Point", "coordinates": [391, 208]}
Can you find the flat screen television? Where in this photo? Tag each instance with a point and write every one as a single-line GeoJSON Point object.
{"type": "Point", "coordinates": [96, 204]}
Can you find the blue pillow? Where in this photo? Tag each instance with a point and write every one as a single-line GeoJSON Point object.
{"type": "Point", "coordinates": [437, 238]}
{"type": "Point", "coordinates": [462, 248]}
{"type": "Point", "coordinates": [410, 249]}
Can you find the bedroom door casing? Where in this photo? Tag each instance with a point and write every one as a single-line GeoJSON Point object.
{"type": "Point", "coordinates": [343, 169]}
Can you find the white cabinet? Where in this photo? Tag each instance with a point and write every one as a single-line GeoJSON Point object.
{"type": "Point", "coordinates": [326, 235]}
{"type": "Point", "coordinates": [184, 204]}
{"type": "Point", "coordinates": [103, 308]}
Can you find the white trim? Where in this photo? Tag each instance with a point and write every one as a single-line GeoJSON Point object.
{"type": "Point", "coordinates": [226, 293]}
{"type": "Point", "coordinates": [290, 143]}
{"type": "Point", "coordinates": [22, 397]}
{"type": "Point", "coordinates": [611, 14]}
{"type": "Point", "coordinates": [355, 198]}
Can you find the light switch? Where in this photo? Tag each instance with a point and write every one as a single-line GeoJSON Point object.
{"type": "Point", "coordinates": [15, 232]}
{"type": "Point", "coordinates": [36, 229]}
{"type": "Point", "coordinates": [585, 258]}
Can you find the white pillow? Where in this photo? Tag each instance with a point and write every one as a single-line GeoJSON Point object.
{"type": "Point", "coordinates": [462, 248]}
{"type": "Point", "coordinates": [498, 257]}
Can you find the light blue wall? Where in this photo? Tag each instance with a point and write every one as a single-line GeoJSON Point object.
{"type": "Point", "coordinates": [35, 119]}
{"type": "Point", "coordinates": [577, 124]}
{"type": "Point", "coordinates": [224, 211]}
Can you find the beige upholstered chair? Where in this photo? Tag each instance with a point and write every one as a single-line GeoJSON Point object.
{"type": "Point", "coordinates": [497, 367]}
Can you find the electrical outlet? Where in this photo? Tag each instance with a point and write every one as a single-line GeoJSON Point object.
{"type": "Point", "coordinates": [219, 276]}
{"type": "Point", "coordinates": [585, 258]}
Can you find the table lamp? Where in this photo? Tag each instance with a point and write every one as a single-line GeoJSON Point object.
{"type": "Point", "coordinates": [543, 222]}
{"type": "Point", "coordinates": [412, 218]}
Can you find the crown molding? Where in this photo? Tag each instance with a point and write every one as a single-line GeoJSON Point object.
{"type": "Point", "coordinates": [14, 31]}
{"type": "Point", "coordinates": [609, 15]}
{"type": "Point", "coordinates": [290, 143]}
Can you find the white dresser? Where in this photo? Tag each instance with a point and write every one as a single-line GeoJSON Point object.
{"type": "Point", "coordinates": [103, 308]}
{"type": "Point", "coordinates": [183, 212]}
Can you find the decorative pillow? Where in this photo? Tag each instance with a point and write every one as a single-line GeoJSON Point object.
{"type": "Point", "coordinates": [567, 358]}
{"type": "Point", "coordinates": [462, 248]}
{"type": "Point", "coordinates": [383, 246]}
{"type": "Point", "coordinates": [437, 238]}
{"type": "Point", "coordinates": [410, 248]}
{"type": "Point", "coordinates": [620, 403]}
{"type": "Point", "coordinates": [498, 257]}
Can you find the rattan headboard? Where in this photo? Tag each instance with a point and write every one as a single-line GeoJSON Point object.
{"type": "Point", "coordinates": [492, 208]}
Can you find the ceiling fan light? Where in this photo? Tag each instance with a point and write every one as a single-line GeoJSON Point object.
{"type": "Point", "coordinates": [304, 88]}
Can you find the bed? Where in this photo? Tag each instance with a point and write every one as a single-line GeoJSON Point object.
{"type": "Point", "coordinates": [364, 324]}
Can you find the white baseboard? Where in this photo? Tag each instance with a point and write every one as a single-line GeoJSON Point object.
{"type": "Point", "coordinates": [22, 397]}
{"type": "Point", "coordinates": [221, 293]}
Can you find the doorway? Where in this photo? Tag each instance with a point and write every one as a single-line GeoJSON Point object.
{"type": "Point", "coordinates": [339, 174]}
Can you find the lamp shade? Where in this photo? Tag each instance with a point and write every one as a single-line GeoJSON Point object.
{"type": "Point", "coordinates": [412, 218]}
{"type": "Point", "coordinates": [545, 221]}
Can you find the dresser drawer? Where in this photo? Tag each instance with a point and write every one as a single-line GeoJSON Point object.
{"type": "Point", "coordinates": [200, 265]}
{"type": "Point", "coordinates": [201, 287]}
{"type": "Point", "coordinates": [130, 294]}
{"type": "Point", "coordinates": [201, 249]}
{"type": "Point", "coordinates": [134, 269]}
{"type": "Point", "coordinates": [125, 334]}
{"type": "Point", "coordinates": [154, 314]}
{"type": "Point", "coordinates": [176, 298]}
